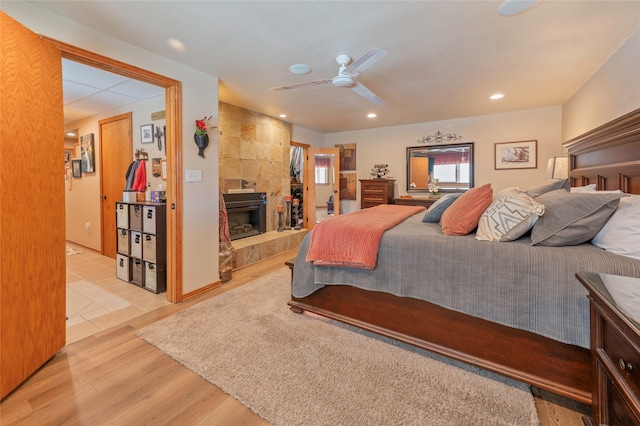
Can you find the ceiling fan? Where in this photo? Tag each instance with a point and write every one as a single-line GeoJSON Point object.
{"type": "Point", "coordinates": [347, 74]}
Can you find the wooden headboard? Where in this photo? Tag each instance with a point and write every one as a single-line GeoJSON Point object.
{"type": "Point", "coordinates": [608, 156]}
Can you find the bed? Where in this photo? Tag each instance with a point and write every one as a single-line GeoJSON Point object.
{"type": "Point", "coordinates": [539, 336]}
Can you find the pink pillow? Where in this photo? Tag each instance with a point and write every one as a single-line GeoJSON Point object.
{"type": "Point", "coordinates": [464, 214]}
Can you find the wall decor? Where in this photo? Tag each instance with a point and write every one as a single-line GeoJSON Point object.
{"type": "Point", "coordinates": [347, 156]}
{"type": "Point", "coordinates": [516, 155]}
{"type": "Point", "coordinates": [76, 168]}
{"type": "Point", "coordinates": [348, 186]}
{"type": "Point", "coordinates": [68, 153]}
{"type": "Point", "coordinates": [146, 133]}
{"type": "Point", "coordinates": [163, 168]}
{"type": "Point", "coordinates": [439, 137]}
{"type": "Point", "coordinates": [156, 167]}
{"type": "Point", "coordinates": [87, 153]}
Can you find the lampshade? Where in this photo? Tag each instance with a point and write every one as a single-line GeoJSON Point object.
{"type": "Point", "coordinates": [558, 168]}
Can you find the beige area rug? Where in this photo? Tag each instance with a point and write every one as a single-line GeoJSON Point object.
{"type": "Point", "coordinates": [294, 369]}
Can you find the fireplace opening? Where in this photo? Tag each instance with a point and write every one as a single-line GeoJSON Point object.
{"type": "Point", "coordinates": [246, 214]}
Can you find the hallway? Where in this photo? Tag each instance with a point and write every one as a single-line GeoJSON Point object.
{"type": "Point", "coordinates": [96, 299]}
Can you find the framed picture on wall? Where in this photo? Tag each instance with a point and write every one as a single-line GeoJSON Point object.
{"type": "Point", "coordinates": [516, 155]}
{"type": "Point", "coordinates": [146, 133]}
{"type": "Point", "coordinates": [87, 153]}
{"type": "Point", "coordinates": [163, 168]}
{"type": "Point", "coordinates": [76, 168]}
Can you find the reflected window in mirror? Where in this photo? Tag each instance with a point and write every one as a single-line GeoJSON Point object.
{"type": "Point", "coordinates": [451, 165]}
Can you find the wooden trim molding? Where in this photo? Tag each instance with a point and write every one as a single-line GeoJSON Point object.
{"type": "Point", "coordinates": [616, 132]}
{"type": "Point", "coordinates": [173, 100]}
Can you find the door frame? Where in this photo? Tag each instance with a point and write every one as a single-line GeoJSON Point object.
{"type": "Point", "coordinates": [310, 184]}
{"type": "Point", "coordinates": [173, 105]}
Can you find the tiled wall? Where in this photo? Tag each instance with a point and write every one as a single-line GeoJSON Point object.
{"type": "Point", "coordinates": [254, 153]}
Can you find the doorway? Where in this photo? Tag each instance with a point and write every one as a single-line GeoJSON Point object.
{"type": "Point", "coordinates": [173, 141]}
{"type": "Point", "coordinates": [322, 184]}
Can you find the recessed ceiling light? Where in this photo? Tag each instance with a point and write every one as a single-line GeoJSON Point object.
{"type": "Point", "coordinates": [496, 96]}
{"type": "Point", "coordinates": [283, 115]}
{"type": "Point", "coordinates": [176, 44]}
{"type": "Point", "coordinates": [71, 134]}
{"type": "Point", "coordinates": [372, 115]}
{"type": "Point", "coordinates": [514, 7]}
{"type": "Point", "coordinates": [300, 69]}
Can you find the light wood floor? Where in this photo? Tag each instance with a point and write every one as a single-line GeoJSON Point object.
{"type": "Point", "coordinates": [115, 378]}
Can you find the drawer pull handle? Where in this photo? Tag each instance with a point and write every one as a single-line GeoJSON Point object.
{"type": "Point", "coordinates": [624, 365]}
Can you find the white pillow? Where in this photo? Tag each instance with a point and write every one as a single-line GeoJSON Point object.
{"type": "Point", "coordinates": [621, 233]}
{"type": "Point", "coordinates": [511, 214]}
{"type": "Point", "coordinates": [586, 188]}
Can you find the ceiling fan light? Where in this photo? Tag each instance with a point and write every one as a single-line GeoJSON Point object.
{"type": "Point", "coordinates": [300, 69]}
{"type": "Point", "coordinates": [514, 7]}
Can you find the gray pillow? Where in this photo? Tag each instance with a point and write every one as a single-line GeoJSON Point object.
{"type": "Point", "coordinates": [434, 213]}
{"type": "Point", "coordinates": [572, 218]}
{"type": "Point", "coordinates": [548, 187]}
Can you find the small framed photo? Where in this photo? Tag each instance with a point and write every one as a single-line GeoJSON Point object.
{"type": "Point", "coordinates": [163, 173]}
{"type": "Point", "coordinates": [516, 155]}
{"type": "Point", "coordinates": [76, 168]}
{"type": "Point", "coordinates": [146, 133]}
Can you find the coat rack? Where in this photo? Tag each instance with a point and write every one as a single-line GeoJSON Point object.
{"type": "Point", "coordinates": [141, 153]}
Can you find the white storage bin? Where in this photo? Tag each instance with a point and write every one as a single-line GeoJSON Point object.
{"type": "Point", "coordinates": [123, 240]}
{"type": "Point", "coordinates": [149, 248]}
{"type": "Point", "coordinates": [135, 217]}
{"type": "Point", "coordinates": [136, 244]}
{"type": "Point", "coordinates": [123, 268]}
{"type": "Point", "coordinates": [150, 276]}
{"type": "Point", "coordinates": [122, 215]}
{"type": "Point", "coordinates": [149, 220]}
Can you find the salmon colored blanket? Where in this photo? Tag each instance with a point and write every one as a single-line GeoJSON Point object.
{"type": "Point", "coordinates": [353, 239]}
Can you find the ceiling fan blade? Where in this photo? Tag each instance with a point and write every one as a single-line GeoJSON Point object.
{"type": "Point", "coordinates": [365, 61]}
{"type": "Point", "coordinates": [296, 86]}
{"type": "Point", "coordinates": [367, 94]}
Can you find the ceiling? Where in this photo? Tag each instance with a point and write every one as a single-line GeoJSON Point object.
{"type": "Point", "coordinates": [444, 60]}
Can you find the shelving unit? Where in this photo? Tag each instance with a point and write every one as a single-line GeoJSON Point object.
{"type": "Point", "coordinates": [141, 244]}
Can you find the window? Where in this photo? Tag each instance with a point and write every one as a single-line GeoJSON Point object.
{"type": "Point", "coordinates": [323, 166]}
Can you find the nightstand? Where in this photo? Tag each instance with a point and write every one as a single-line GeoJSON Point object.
{"type": "Point", "coordinates": [615, 347]}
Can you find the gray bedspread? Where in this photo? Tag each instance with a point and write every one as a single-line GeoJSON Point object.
{"type": "Point", "coordinates": [527, 287]}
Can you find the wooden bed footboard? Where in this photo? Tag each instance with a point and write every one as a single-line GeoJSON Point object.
{"type": "Point", "coordinates": [560, 368]}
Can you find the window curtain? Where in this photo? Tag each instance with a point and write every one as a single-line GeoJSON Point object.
{"type": "Point", "coordinates": [451, 158]}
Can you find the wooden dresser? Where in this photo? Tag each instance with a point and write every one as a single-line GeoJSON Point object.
{"type": "Point", "coordinates": [615, 348]}
{"type": "Point", "coordinates": [376, 191]}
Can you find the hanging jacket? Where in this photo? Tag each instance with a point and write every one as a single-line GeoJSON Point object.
{"type": "Point", "coordinates": [140, 181]}
{"type": "Point", "coordinates": [131, 175]}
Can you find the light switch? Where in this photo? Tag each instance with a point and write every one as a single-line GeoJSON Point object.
{"type": "Point", "coordinates": [194, 175]}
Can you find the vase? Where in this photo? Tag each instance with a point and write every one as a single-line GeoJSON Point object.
{"type": "Point", "coordinates": [202, 141]}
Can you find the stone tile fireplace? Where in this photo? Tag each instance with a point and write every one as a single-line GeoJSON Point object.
{"type": "Point", "coordinates": [254, 154]}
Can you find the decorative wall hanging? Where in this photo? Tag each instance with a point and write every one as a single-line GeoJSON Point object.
{"type": "Point", "coordinates": [516, 155]}
{"type": "Point", "coordinates": [201, 137]}
{"type": "Point", "coordinates": [87, 153]}
{"type": "Point", "coordinates": [76, 168]}
{"type": "Point", "coordinates": [347, 156]}
{"type": "Point", "coordinates": [159, 134]}
{"type": "Point", "coordinates": [439, 137]}
{"type": "Point", "coordinates": [146, 133]}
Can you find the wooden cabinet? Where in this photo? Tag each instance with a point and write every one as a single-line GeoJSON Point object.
{"type": "Point", "coordinates": [426, 202]}
{"type": "Point", "coordinates": [141, 245]}
{"type": "Point", "coordinates": [615, 348]}
{"type": "Point", "coordinates": [376, 191]}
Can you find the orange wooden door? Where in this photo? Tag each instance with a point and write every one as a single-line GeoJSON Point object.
{"type": "Point", "coordinates": [32, 224]}
{"type": "Point", "coordinates": [116, 147]}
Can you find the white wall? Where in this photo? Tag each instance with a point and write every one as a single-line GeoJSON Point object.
{"type": "Point", "coordinates": [304, 135]}
{"type": "Point", "coordinates": [199, 98]}
{"type": "Point", "coordinates": [612, 91]}
{"type": "Point", "coordinates": [388, 145]}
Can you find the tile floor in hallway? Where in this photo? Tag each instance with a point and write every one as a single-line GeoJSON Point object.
{"type": "Point", "coordinates": [96, 299]}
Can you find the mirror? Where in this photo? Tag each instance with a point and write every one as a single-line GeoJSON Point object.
{"type": "Point", "coordinates": [451, 164]}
